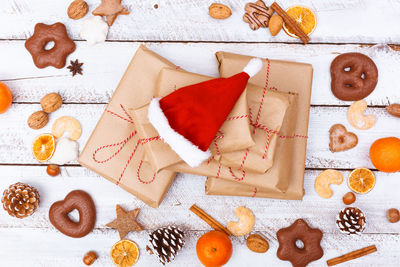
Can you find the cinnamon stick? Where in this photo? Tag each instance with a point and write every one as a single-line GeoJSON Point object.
{"type": "Point", "coordinates": [288, 20]}
{"type": "Point", "coordinates": [352, 255]}
{"type": "Point", "coordinates": [209, 220]}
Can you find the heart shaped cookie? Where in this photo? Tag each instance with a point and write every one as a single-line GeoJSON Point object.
{"type": "Point", "coordinates": [76, 200]}
{"type": "Point", "coordinates": [341, 139]}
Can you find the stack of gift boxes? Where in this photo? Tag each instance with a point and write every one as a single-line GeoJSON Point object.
{"type": "Point", "coordinates": [258, 152]}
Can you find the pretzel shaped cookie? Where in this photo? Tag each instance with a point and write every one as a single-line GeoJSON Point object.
{"type": "Point", "coordinates": [354, 76]}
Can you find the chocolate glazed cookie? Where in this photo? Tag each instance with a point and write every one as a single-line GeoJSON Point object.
{"type": "Point", "coordinates": [57, 55]}
{"type": "Point", "coordinates": [354, 76]}
{"type": "Point", "coordinates": [83, 203]}
{"type": "Point", "coordinates": [290, 251]}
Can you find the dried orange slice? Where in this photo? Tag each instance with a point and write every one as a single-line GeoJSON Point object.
{"type": "Point", "coordinates": [43, 147]}
{"type": "Point", "coordinates": [125, 253]}
{"type": "Point", "coordinates": [361, 180]}
{"type": "Point", "coordinates": [304, 17]}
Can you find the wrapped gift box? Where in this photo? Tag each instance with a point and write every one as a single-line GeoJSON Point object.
{"type": "Point", "coordinates": [114, 149]}
{"type": "Point", "coordinates": [289, 163]}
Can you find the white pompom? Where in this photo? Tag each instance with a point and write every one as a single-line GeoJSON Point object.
{"type": "Point", "coordinates": [253, 67]}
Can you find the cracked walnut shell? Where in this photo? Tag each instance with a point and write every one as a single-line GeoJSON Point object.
{"type": "Point", "coordinates": [51, 102]}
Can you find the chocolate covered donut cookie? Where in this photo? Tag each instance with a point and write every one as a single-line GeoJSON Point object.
{"type": "Point", "coordinates": [290, 251]}
{"type": "Point", "coordinates": [57, 55]}
{"type": "Point", "coordinates": [354, 76]}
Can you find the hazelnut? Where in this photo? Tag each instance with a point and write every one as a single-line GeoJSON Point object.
{"type": "Point", "coordinates": [89, 258]}
{"type": "Point", "coordinates": [38, 120]}
{"type": "Point", "coordinates": [349, 198]}
{"type": "Point", "coordinates": [393, 215]}
{"type": "Point", "coordinates": [51, 102]}
{"type": "Point", "coordinates": [77, 9]}
{"type": "Point", "coordinates": [53, 170]}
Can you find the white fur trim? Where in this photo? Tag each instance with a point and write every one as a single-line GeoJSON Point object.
{"type": "Point", "coordinates": [253, 67]}
{"type": "Point", "coordinates": [188, 152]}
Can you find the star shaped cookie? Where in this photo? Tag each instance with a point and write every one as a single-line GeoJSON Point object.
{"type": "Point", "coordinates": [125, 221]}
{"type": "Point", "coordinates": [299, 256]}
{"type": "Point", "coordinates": [56, 56]}
{"type": "Point", "coordinates": [110, 9]}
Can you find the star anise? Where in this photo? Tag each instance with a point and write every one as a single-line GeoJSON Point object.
{"type": "Point", "coordinates": [75, 67]}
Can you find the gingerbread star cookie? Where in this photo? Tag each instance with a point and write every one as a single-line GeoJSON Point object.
{"type": "Point", "coordinates": [289, 250]}
{"type": "Point", "coordinates": [44, 34]}
{"type": "Point", "coordinates": [125, 221]}
{"type": "Point", "coordinates": [110, 9]}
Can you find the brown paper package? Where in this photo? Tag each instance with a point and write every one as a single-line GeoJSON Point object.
{"type": "Point", "coordinates": [289, 163]}
{"type": "Point", "coordinates": [272, 114]}
{"type": "Point", "coordinates": [234, 134]}
{"type": "Point", "coordinates": [114, 150]}
{"type": "Point", "coordinates": [260, 157]}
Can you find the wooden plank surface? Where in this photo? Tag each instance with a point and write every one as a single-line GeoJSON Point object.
{"type": "Point", "coordinates": [183, 32]}
{"type": "Point", "coordinates": [17, 136]}
{"type": "Point", "coordinates": [271, 215]}
{"type": "Point", "coordinates": [104, 65]}
{"type": "Point", "coordinates": [58, 250]}
{"type": "Point", "coordinates": [188, 190]}
{"type": "Point", "coordinates": [339, 21]}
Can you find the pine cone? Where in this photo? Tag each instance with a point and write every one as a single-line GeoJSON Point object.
{"type": "Point", "coordinates": [350, 221]}
{"type": "Point", "coordinates": [20, 200]}
{"type": "Point", "coordinates": [166, 243]}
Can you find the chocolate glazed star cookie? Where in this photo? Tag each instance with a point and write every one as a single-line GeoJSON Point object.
{"type": "Point", "coordinates": [57, 55]}
{"type": "Point", "coordinates": [311, 238]}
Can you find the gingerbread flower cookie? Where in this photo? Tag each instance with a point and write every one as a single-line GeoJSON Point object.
{"type": "Point", "coordinates": [57, 55]}
{"type": "Point", "coordinates": [110, 9]}
{"type": "Point", "coordinates": [289, 250]}
{"type": "Point", "coordinates": [94, 30]}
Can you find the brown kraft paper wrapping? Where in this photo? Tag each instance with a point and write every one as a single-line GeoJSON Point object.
{"type": "Point", "coordinates": [234, 133]}
{"type": "Point", "coordinates": [259, 158]}
{"type": "Point", "coordinates": [289, 163]}
{"type": "Point", "coordinates": [114, 150]}
{"type": "Point", "coordinates": [272, 115]}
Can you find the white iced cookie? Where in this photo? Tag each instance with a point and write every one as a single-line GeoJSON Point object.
{"type": "Point", "coordinates": [94, 30]}
{"type": "Point", "coordinates": [66, 151]}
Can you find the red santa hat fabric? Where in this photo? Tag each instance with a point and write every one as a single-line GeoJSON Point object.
{"type": "Point", "coordinates": [189, 118]}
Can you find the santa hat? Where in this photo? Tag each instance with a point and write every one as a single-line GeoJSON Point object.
{"type": "Point", "coordinates": [189, 118]}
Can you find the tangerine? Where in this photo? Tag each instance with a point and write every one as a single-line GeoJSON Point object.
{"type": "Point", "coordinates": [5, 98]}
{"type": "Point", "coordinates": [385, 154]}
{"type": "Point", "coordinates": [214, 249]}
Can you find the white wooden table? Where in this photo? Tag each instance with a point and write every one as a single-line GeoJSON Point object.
{"type": "Point", "coordinates": [182, 31]}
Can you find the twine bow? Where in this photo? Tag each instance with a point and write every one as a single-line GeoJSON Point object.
{"type": "Point", "coordinates": [120, 145]}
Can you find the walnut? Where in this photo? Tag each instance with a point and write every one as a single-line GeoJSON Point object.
{"type": "Point", "coordinates": [38, 120]}
{"type": "Point", "coordinates": [77, 9]}
{"type": "Point", "coordinates": [51, 102]}
{"type": "Point", "coordinates": [257, 243]}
